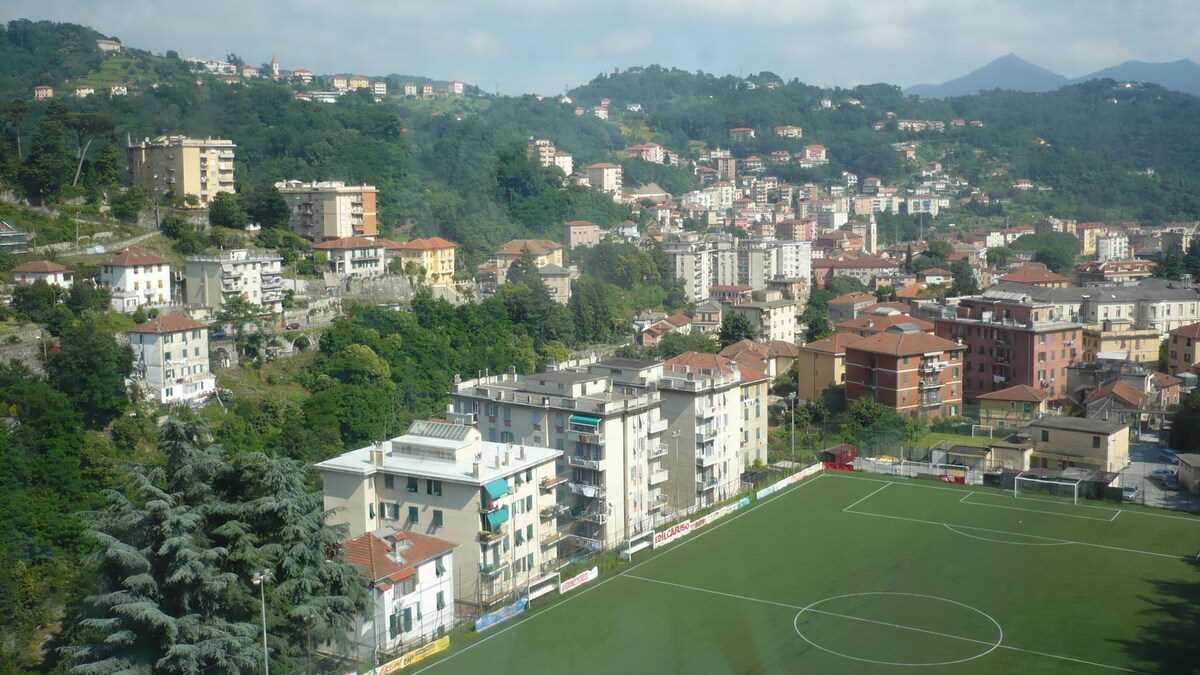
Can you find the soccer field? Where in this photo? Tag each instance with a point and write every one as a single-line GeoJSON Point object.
{"type": "Point", "coordinates": [862, 574]}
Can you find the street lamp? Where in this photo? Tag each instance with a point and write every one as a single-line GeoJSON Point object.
{"type": "Point", "coordinates": [792, 401]}
{"type": "Point", "coordinates": [260, 579]}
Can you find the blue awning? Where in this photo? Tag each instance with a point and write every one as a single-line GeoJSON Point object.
{"type": "Point", "coordinates": [586, 420]}
{"type": "Point", "coordinates": [497, 518]}
{"type": "Point", "coordinates": [496, 488]}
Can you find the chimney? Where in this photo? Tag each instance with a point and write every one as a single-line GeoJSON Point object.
{"type": "Point", "coordinates": [521, 451]}
{"type": "Point", "coordinates": [507, 452]}
{"type": "Point", "coordinates": [475, 469]}
{"type": "Point", "coordinates": [377, 455]}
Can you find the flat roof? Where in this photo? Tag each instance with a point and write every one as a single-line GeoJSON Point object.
{"type": "Point", "coordinates": [1077, 424]}
{"type": "Point", "coordinates": [491, 464]}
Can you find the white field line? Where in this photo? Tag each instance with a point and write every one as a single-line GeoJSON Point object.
{"type": "Point", "coordinates": [965, 499]}
{"type": "Point", "coordinates": [872, 494]}
{"type": "Point", "coordinates": [888, 624]}
{"type": "Point", "coordinates": [1055, 501]}
{"type": "Point", "coordinates": [843, 475]}
{"type": "Point", "coordinates": [1115, 515]}
{"type": "Point", "coordinates": [1021, 534]}
{"type": "Point", "coordinates": [685, 542]}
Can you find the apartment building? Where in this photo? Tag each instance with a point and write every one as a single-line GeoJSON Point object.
{"type": "Point", "coordinates": [411, 579]}
{"type": "Point", "coordinates": [1160, 304]}
{"type": "Point", "coordinates": [170, 359]}
{"type": "Point", "coordinates": [358, 257]}
{"type": "Point", "coordinates": [605, 177]}
{"type": "Point", "coordinates": [770, 319]}
{"type": "Point", "coordinates": [1183, 349]}
{"type": "Point", "coordinates": [907, 370]}
{"type": "Point", "coordinates": [577, 233]}
{"type": "Point", "coordinates": [1120, 336]}
{"type": "Point", "coordinates": [434, 256]}
{"type": "Point", "coordinates": [52, 273]}
{"type": "Point", "coordinates": [1112, 247]}
{"type": "Point", "coordinates": [1093, 273]}
{"type": "Point", "coordinates": [702, 404]}
{"type": "Point", "coordinates": [789, 131]}
{"type": "Point", "coordinates": [604, 417]}
{"type": "Point", "coordinates": [183, 167]}
{"type": "Point", "coordinates": [255, 276]}
{"type": "Point", "coordinates": [136, 277]}
{"type": "Point", "coordinates": [822, 364]}
{"type": "Point", "coordinates": [1012, 340]}
{"type": "Point", "coordinates": [326, 210]}
{"type": "Point", "coordinates": [1015, 406]}
{"type": "Point", "coordinates": [755, 390]}
{"type": "Point", "coordinates": [1061, 443]}
{"type": "Point", "coordinates": [442, 480]}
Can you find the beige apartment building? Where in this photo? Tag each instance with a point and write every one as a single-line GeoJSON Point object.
{"type": "Point", "coordinates": [1059, 443]}
{"type": "Point", "coordinates": [702, 404]}
{"type": "Point", "coordinates": [604, 417]}
{"type": "Point", "coordinates": [496, 501]}
{"type": "Point", "coordinates": [605, 177]}
{"type": "Point", "coordinates": [433, 255]}
{"type": "Point", "coordinates": [255, 276]}
{"type": "Point", "coordinates": [330, 209]}
{"type": "Point", "coordinates": [1182, 351]}
{"type": "Point", "coordinates": [755, 390]}
{"type": "Point", "coordinates": [184, 167]}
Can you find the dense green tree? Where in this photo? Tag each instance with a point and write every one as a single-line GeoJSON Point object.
{"type": "Point", "coordinates": [1056, 250]}
{"type": "Point", "coordinates": [86, 296]}
{"type": "Point", "coordinates": [263, 204]}
{"type": "Point", "coordinates": [226, 210]}
{"type": "Point", "coordinates": [47, 168]}
{"type": "Point", "coordinates": [964, 279]}
{"type": "Point", "coordinates": [128, 204]}
{"type": "Point", "coordinates": [999, 257]}
{"type": "Point", "coordinates": [36, 301]}
{"type": "Point", "coordinates": [90, 367]}
{"type": "Point", "coordinates": [1185, 425]}
{"type": "Point", "coordinates": [1170, 266]}
{"type": "Point", "coordinates": [735, 328]}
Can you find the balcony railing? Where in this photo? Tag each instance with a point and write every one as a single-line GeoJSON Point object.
{"type": "Point", "coordinates": [658, 426]}
{"type": "Point", "coordinates": [659, 477]}
{"type": "Point", "coordinates": [487, 536]}
{"type": "Point", "coordinates": [931, 402]}
{"type": "Point", "coordinates": [550, 482]}
{"type": "Point", "coordinates": [658, 502]}
{"type": "Point", "coordinates": [551, 539]}
{"type": "Point", "coordinates": [930, 383]}
{"type": "Point", "coordinates": [554, 511]}
{"type": "Point", "coordinates": [658, 450]}
{"type": "Point", "coordinates": [586, 463]}
{"type": "Point", "coordinates": [492, 569]}
{"type": "Point", "coordinates": [706, 459]}
{"type": "Point", "coordinates": [588, 490]}
{"type": "Point", "coordinates": [585, 437]}
{"type": "Point", "coordinates": [597, 517]}
{"type": "Point", "coordinates": [706, 435]}
{"type": "Point", "coordinates": [706, 483]}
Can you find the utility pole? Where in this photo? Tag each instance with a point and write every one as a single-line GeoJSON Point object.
{"type": "Point", "coordinates": [792, 399]}
{"type": "Point", "coordinates": [260, 580]}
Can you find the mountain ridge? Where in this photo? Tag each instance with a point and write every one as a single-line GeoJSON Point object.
{"type": "Point", "coordinates": [1012, 72]}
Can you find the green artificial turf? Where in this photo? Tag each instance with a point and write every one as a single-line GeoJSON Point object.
{"type": "Point", "coordinates": [897, 575]}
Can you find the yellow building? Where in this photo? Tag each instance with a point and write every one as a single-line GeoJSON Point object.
{"type": "Point", "coordinates": [434, 255]}
{"type": "Point", "coordinates": [1015, 406]}
{"type": "Point", "coordinates": [359, 82]}
{"type": "Point", "coordinates": [755, 386]}
{"type": "Point", "coordinates": [1182, 352]}
{"type": "Point", "coordinates": [1120, 335]}
{"type": "Point", "coordinates": [183, 167]}
{"type": "Point", "coordinates": [822, 364]}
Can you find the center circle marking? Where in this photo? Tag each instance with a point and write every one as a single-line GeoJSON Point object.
{"type": "Point", "coordinates": [812, 608]}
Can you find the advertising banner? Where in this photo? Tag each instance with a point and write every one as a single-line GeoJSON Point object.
{"type": "Point", "coordinates": [486, 621]}
{"type": "Point", "coordinates": [671, 534]}
{"type": "Point", "coordinates": [579, 580]}
{"type": "Point", "coordinates": [415, 656]}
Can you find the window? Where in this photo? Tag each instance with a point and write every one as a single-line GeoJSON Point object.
{"type": "Point", "coordinates": [395, 511]}
{"type": "Point", "coordinates": [412, 484]}
{"type": "Point", "coordinates": [529, 503]}
{"type": "Point", "coordinates": [529, 532]}
{"type": "Point", "coordinates": [441, 600]}
{"type": "Point", "coordinates": [1095, 441]}
{"type": "Point", "coordinates": [389, 482]}
{"type": "Point", "coordinates": [433, 487]}
{"type": "Point", "coordinates": [528, 475]}
{"type": "Point", "coordinates": [408, 586]}
{"type": "Point", "coordinates": [166, 356]}
{"type": "Point", "coordinates": [393, 625]}
{"type": "Point", "coordinates": [437, 518]}
{"type": "Point", "coordinates": [1045, 436]}
{"type": "Point", "coordinates": [413, 515]}
{"type": "Point", "coordinates": [371, 510]}
{"type": "Point", "coordinates": [519, 537]}
{"type": "Point", "coordinates": [407, 619]}
{"type": "Point", "coordinates": [439, 566]}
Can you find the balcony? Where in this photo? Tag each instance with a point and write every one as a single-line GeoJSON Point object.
{"type": "Point", "coordinates": [930, 383]}
{"type": "Point", "coordinates": [659, 477]}
{"type": "Point", "coordinates": [704, 484]}
{"type": "Point", "coordinates": [587, 490]}
{"type": "Point", "coordinates": [597, 517]}
{"type": "Point", "coordinates": [585, 463]}
{"type": "Point", "coordinates": [552, 566]}
{"type": "Point", "coordinates": [550, 482]}
{"type": "Point", "coordinates": [494, 595]}
{"type": "Point", "coordinates": [706, 435]}
{"type": "Point", "coordinates": [589, 438]}
{"type": "Point", "coordinates": [706, 459]}
{"type": "Point", "coordinates": [931, 402]}
{"type": "Point", "coordinates": [495, 504]}
{"type": "Point", "coordinates": [657, 503]}
{"type": "Point", "coordinates": [551, 539]}
{"type": "Point", "coordinates": [932, 366]}
{"type": "Point", "coordinates": [658, 426]}
{"type": "Point", "coordinates": [707, 412]}
{"type": "Point", "coordinates": [488, 536]}
{"type": "Point", "coordinates": [492, 569]}
{"type": "Point", "coordinates": [554, 511]}
{"type": "Point", "coordinates": [658, 450]}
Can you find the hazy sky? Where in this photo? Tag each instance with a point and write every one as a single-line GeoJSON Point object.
{"type": "Point", "coordinates": [544, 45]}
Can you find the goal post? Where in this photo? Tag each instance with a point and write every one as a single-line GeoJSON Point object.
{"type": "Point", "coordinates": [1028, 486]}
{"type": "Point", "coordinates": [979, 429]}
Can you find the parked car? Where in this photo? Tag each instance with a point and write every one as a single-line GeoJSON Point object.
{"type": "Point", "coordinates": [1162, 473]}
{"type": "Point", "coordinates": [293, 326]}
{"type": "Point", "coordinates": [1129, 493]}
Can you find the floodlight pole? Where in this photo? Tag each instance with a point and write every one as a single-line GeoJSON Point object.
{"type": "Point", "coordinates": [792, 400]}
{"type": "Point", "coordinates": [260, 580]}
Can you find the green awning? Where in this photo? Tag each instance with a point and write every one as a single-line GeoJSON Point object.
{"type": "Point", "coordinates": [586, 419]}
{"type": "Point", "coordinates": [497, 518]}
{"type": "Point", "coordinates": [496, 488]}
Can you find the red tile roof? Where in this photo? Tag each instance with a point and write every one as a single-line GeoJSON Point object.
{"type": "Point", "coordinates": [1191, 330]}
{"type": "Point", "coordinates": [1121, 390]}
{"type": "Point", "coordinates": [834, 344]}
{"type": "Point", "coordinates": [853, 298]}
{"type": "Point", "coordinates": [432, 243]}
{"type": "Point", "coordinates": [533, 246]}
{"type": "Point", "coordinates": [905, 344]}
{"type": "Point", "coordinates": [679, 319]}
{"type": "Point", "coordinates": [1017, 392]}
{"type": "Point", "coordinates": [134, 256]}
{"type": "Point", "coordinates": [1030, 274]}
{"type": "Point", "coordinates": [40, 267]}
{"type": "Point", "coordinates": [168, 323]}
{"type": "Point", "coordinates": [1163, 380]}
{"type": "Point", "coordinates": [374, 558]}
{"type": "Point", "coordinates": [881, 322]}
{"type": "Point", "coordinates": [348, 243]}
{"type": "Point", "coordinates": [700, 361]}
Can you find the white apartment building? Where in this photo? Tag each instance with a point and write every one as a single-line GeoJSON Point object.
{"type": "Point", "coordinates": [604, 418]}
{"type": "Point", "coordinates": [411, 579]}
{"type": "Point", "coordinates": [136, 277]}
{"type": "Point", "coordinates": [357, 256]}
{"type": "Point", "coordinates": [693, 266]}
{"type": "Point", "coordinates": [564, 162]}
{"type": "Point", "coordinates": [771, 319]}
{"type": "Point", "coordinates": [793, 259]}
{"type": "Point", "coordinates": [606, 178]}
{"type": "Point", "coordinates": [330, 209]}
{"type": "Point", "coordinates": [170, 359]}
{"type": "Point", "coordinates": [1112, 247]}
{"type": "Point", "coordinates": [52, 273]}
{"type": "Point", "coordinates": [498, 502]}
{"type": "Point", "coordinates": [756, 264]}
{"type": "Point", "coordinates": [256, 276]}
{"type": "Point", "coordinates": [701, 403]}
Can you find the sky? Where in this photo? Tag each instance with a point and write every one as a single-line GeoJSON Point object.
{"type": "Point", "coordinates": [546, 46]}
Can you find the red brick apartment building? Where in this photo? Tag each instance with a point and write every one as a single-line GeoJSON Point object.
{"type": "Point", "coordinates": [1010, 342]}
{"type": "Point", "coordinates": [907, 370]}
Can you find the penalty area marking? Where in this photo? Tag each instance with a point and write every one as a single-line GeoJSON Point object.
{"type": "Point", "coordinates": [957, 529]}
{"type": "Point", "coordinates": [967, 500]}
